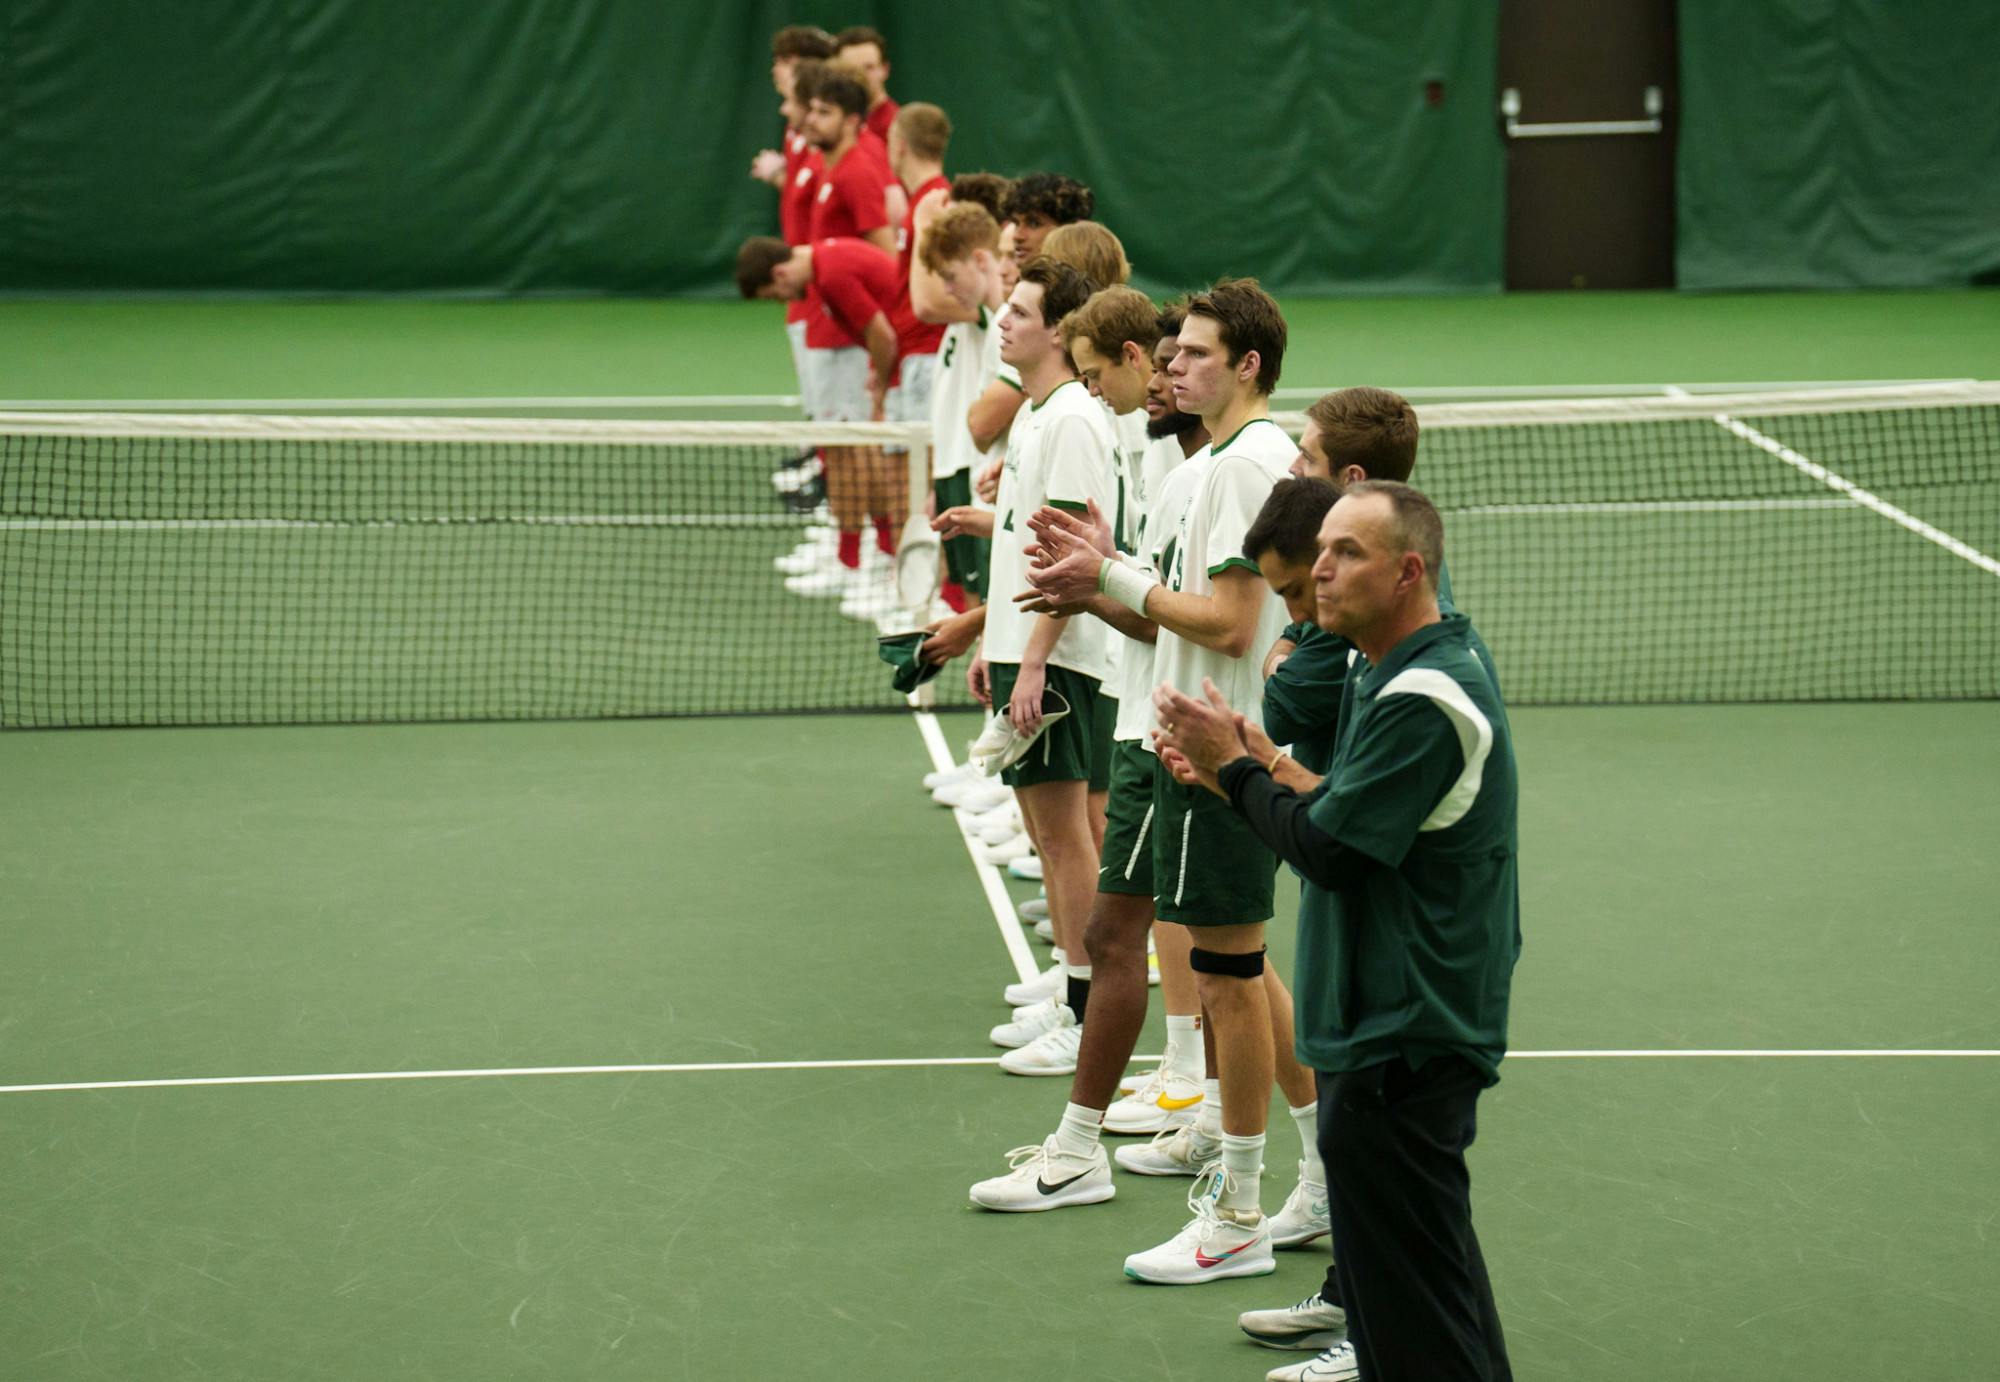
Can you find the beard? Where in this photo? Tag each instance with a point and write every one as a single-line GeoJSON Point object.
{"type": "Point", "coordinates": [1174, 424]}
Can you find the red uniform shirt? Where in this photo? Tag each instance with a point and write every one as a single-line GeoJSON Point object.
{"type": "Point", "coordinates": [795, 201]}
{"type": "Point", "coordinates": [851, 198]}
{"type": "Point", "coordinates": [914, 337]}
{"type": "Point", "coordinates": [853, 282]}
{"type": "Point", "coordinates": [880, 118]}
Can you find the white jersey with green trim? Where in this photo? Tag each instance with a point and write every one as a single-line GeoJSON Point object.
{"type": "Point", "coordinates": [1130, 431]}
{"type": "Point", "coordinates": [996, 368]}
{"type": "Point", "coordinates": [1208, 540]}
{"type": "Point", "coordinates": [1061, 452]}
{"type": "Point", "coordinates": [963, 374]}
{"type": "Point", "coordinates": [1168, 480]}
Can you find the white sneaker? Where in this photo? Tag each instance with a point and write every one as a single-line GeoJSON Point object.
{"type": "Point", "coordinates": [1028, 868]}
{"type": "Point", "coordinates": [1311, 1324]}
{"type": "Point", "coordinates": [973, 794]}
{"type": "Point", "coordinates": [1051, 1053]}
{"type": "Point", "coordinates": [1214, 1245]}
{"type": "Point", "coordinates": [1335, 1365]}
{"type": "Point", "coordinates": [1016, 846]}
{"type": "Point", "coordinates": [999, 831]}
{"type": "Point", "coordinates": [826, 580]}
{"type": "Point", "coordinates": [1152, 970]}
{"type": "Point", "coordinates": [1177, 1151]}
{"type": "Point", "coordinates": [1029, 1023]}
{"type": "Point", "coordinates": [1008, 811]}
{"type": "Point", "coordinates": [1165, 1100]}
{"type": "Point", "coordinates": [1045, 930]}
{"type": "Point", "coordinates": [1034, 909]}
{"type": "Point", "coordinates": [957, 772]}
{"type": "Point", "coordinates": [1043, 1178]}
{"type": "Point", "coordinates": [1304, 1219]}
{"type": "Point", "coordinates": [1049, 984]}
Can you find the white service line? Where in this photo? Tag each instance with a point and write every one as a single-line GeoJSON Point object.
{"type": "Point", "coordinates": [729, 1067]}
{"type": "Point", "coordinates": [1841, 485]}
{"type": "Point", "coordinates": [1004, 915]}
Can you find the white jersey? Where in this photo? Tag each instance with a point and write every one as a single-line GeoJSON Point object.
{"type": "Point", "coordinates": [1060, 452]}
{"type": "Point", "coordinates": [995, 368]}
{"type": "Point", "coordinates": [1208, 540]}
{"type": "Point", "coordinates": [1130, 431]}
{"type": "Point", "coordinates": [1167, 480]}
{"type": "Point", "coordinates": [963, 375]}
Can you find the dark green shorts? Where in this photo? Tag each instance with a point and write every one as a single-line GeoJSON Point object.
{"type": "Point", "coordinates": [965, 558]}
{"type": "Point", "coordinates": [1209, 867]}
{"type": "Point", "coordinates": [1064, 751]}
{"type": "Point", "coordinates": [1100, 742]}
{"type": "Point", "coordinates": [1127, 862]}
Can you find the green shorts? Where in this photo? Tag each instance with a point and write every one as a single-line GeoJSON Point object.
{"type": "Point", "coordinates": [1127, 861]}
{"type": "Point", "coordinates": [965, 558]}
{"type": "Point", "coordinates": [1063, 753]}
{"type": "Point", "coordinates": [1209, 867]}
{"type": "Point", "coordinates": [1101, 726]}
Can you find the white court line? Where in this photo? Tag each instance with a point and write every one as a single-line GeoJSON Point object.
{"type": "Point", "coordinates": [1841, 485]}
{"type": "Point", "coordinates": [727, 1067]}
{"type": "Point", "coordinates": [578, 520]}
{"type": "Point", "coordinates": [1004, 916]}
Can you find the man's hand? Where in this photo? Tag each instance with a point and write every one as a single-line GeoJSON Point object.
{"type": "Point", "coordinates": [1275, 659]}
{"type": "Point", "coordinates": [1094, 530]}
{"type": "Point", "coordinates": [878, 393]}
{"type": "Point", "coordinates": [1025, 708]}
{"type": "Point", "coordinates": [1204, 731]}
{"type": "Point", "coordinates": [1255, 740]}
{"type": "Point", "coordinates": [768, 166]}
{"type": "Point", "coordinates": [963, 520]}
{"type": "Point", "coordinates": [1034, 602]}
{"type": "Point", "coordinates": [950, 636]}
{"type": "Point", "coordinates": [987, 483]}
{"type": "Point", "coordinates": [979, 682]}
{"type": "Point", "coordinates": [1184, 772]}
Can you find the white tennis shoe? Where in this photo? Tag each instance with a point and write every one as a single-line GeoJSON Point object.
{"type": "Point", "coordinates": [1048, 984]}
{"type": "Point", "coordinates": [1043, 1178]}
{"type": "Point", "coordinates": [1051, 1053]}
{"type": "Point", "coordinates": [1164, 1100]}
{"type": "Point", "coordinates": [1028, 1023]}
{"type": "Point", "coordinates": [1335, 1365]}
{"type": "Point", "coordinates": [1177, 1151]}
{"type": "Point", "coordinates": [1216, 1244]}
{"type": "Point", "coordinates": [1311, 1324]}
{"type": "Point", "coordinates": [1305, 1217]}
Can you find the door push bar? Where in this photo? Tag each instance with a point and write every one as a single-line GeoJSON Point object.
{"type": "Point", "coordinates": [1510, 108]}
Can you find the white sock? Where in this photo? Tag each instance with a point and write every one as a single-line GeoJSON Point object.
{"type": "Point", "coordinates": [1243, 1158]}
{"type": "Point", "coordinates": [1184, 1056]}
{"type": "Point", "coordinates": [1076, 971]}
{"type": "Point", "coordinates": [1077, 1134]}
{"type": "Point", "coordinates": [1308, 1120]}
{"type": "Point", "coordinates": [1057, 956]}
{"type": "Point", "coordinates": [1208, 1122]}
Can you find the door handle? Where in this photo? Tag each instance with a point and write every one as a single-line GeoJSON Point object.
{"type": "Point", "coordinates": [1510, 111]}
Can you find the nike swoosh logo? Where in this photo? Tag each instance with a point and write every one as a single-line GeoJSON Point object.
{"type": "Point", "coordinates": [1176, 1105]}
{"type": "Point", "coordinates": [1048, 1189]}
{"type": "Point", "coordinates": [1203, 1260]}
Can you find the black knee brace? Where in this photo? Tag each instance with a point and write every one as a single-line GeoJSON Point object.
{"type": "Point", "coordinates": [1249, 966]}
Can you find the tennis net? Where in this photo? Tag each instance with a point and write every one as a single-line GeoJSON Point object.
{"type": "Point", "coordinates": [218, 570]}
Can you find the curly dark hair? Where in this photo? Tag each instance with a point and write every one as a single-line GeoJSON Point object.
{"type": "Point", "coordinates": [1055, 198]}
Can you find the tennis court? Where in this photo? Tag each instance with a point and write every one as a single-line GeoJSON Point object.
{"type": "Point", "coordinates": [661, 1041]}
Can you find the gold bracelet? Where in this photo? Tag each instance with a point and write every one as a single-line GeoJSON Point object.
{"type": "Point", "coordinates": [1272, 766]}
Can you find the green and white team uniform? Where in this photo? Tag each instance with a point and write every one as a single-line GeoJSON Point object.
{"type": "Point", "coordinates": [1209, 867]}
{"type": "Point", "coordinates": [1164, 481]}
{"type": "Point", "coordinates": [1129, 432]}
{"type": "Point", "coordinates": [963, 374]}
{"type": "Point", "coordinates": [1061, 453]}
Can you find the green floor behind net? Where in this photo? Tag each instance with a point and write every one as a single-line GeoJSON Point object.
{"type": "Point", "coordinates": [198, 903]}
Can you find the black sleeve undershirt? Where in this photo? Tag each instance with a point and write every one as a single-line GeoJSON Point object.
{"type": "Point", "coordinates": [1279, 816]}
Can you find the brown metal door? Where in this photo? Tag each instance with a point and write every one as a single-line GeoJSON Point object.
{"type": "Point", "coordinates": [1588, 98]}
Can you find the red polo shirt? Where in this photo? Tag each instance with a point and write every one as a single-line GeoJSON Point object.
{"type": "Point", "coordinates": [853, 281]}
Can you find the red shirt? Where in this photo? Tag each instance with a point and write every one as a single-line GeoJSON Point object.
{"type": "Point", "coordinates": [850, 200]}
{"type": "Point", "coordinates": [914, 337]}
{"type": "Point", "coordinates": [880, 118]}
{"type": "Point", "coordinates": [853, 281]}
{"type": "Point", "coordinates": [803, 165]}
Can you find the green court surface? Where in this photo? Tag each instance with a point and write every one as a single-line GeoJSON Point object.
{"type": "Point", "coordinates": [627, 348]}
{"type": "Point", "coordinates": [295, 901]}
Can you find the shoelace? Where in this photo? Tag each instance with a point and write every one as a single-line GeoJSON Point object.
{"type": "Point", "coordinates": [1025, 1156]}
{"type": "Point", "coordinates": [1214, 1181]}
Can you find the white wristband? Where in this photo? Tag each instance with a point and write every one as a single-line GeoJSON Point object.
{"type": "Point", "coordinates": [1127, 586]}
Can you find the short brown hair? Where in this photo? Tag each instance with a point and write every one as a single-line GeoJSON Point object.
{"type": "Point", "coordinates": [1063, 288]}
{"type": "Point", "coordinates": [840, 84]}
{"type": "Point", "coordinates": [1111, 317]}
{"type": "Point", "coordinates": [755, 261]}
{"type": "Point", "coordinates": [1414, 524]}
{"type": "Point", "coordinates": [1247, 318]}
{"type": "Point", "coordinates": [1091, 249]}
{"type": "Point", "coordinates": [987, 189]}
{"type": "Point", "coordinates": [957, 231]}
{"type": "Point", "coordinates": [857, 34]}
{"type": "Point", "coordinates": [1371, 428]}
{"type": "Point", "coordinates": [803, 41]}
{"type": "Point", "coordinates": [1288, 524]}
{"type": "Point", "coordinates": [926, 130]}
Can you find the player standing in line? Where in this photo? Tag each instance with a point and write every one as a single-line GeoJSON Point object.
{"type": "Point", "coordinates": [863, 49]}
{"type": "Point", "coordinates": [1211, 873]}
{"type": "Point", "coordinates": [794, 171]}
{"type": "Point", "coordinates": [955, 279]}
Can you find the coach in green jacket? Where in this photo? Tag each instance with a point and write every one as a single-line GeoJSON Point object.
{"type": "Point", "coordinates": [1408, 929]}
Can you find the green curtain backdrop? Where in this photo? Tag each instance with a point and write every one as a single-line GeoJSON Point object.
{"type": "Point", "coordinates": [1839, 143]}
{"type": "Point", "coordinates": [601, 146]}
